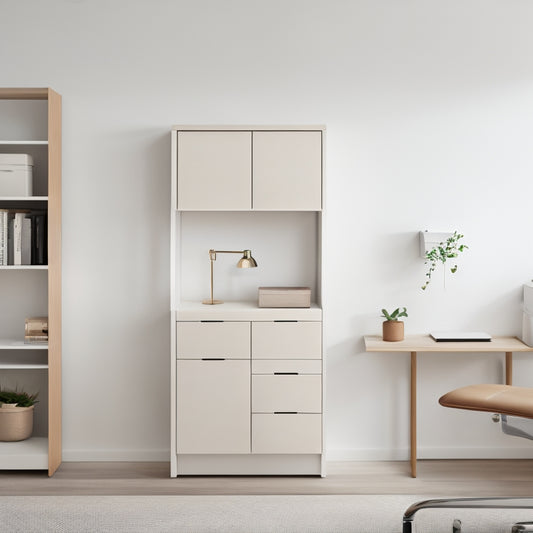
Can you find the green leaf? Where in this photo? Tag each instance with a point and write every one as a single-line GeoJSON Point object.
{"type": "Point", "coordinates": [385, 314]}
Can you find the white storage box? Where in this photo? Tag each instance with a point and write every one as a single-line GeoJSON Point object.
{"type": "Point", "coordinates": [16, 175]}
{"type": "Point", "coordinates": [527, 329]}
{"type": "Point", "coordinates": [284, 297]}
{"type": "Point", "coordinates": [527, 316]}
{"type": "Point", "coordinates": [528, 298]}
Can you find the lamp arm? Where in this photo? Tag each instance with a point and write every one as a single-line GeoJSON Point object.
{"type": "Point", "coordinates": [228, 251]}
{"type": "Point", "coordinates": [213, 253]}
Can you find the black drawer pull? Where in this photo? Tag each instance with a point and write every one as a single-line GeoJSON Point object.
{"type": "Point", "coordinates": [213, 358]}
{"type": "Point", "coordinates": [285, 320]}
{"type": "Point", "coordinates": [285, 412]}
{"type": "Point", "coordinates": [210, 321]}
{"type": "Point", "coordinates": [285, 373]}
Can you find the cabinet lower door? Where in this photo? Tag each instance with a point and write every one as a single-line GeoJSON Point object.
{"type": "Point", "coordinates": [213, 406]}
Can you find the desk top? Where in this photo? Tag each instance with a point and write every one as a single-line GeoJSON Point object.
{"type": "Point", "coordinates": [424, 343]}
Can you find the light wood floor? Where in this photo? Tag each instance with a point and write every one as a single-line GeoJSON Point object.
{"type": "Point", "coordinates": [463, 478]}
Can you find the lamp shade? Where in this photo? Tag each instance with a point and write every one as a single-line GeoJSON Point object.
{"type": "Point", "coordinates": [247, 261]}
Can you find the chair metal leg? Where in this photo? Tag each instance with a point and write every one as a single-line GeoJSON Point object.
{"type": "Point", "coordinates": [522, 527]}
{"type": "Point", "coordinates": [468, 503]}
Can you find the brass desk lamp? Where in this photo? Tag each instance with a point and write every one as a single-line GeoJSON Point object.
{"type": "Point", "coordinates": [246, 261]}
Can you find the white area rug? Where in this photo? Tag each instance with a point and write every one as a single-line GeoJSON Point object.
{"type": "Point", "coordinates": [238, 514]}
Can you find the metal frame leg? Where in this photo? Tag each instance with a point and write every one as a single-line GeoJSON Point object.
{"type": "Point", "coordinates": [522, 527]}
{"type": "Point", "coordinates": [468, 503]}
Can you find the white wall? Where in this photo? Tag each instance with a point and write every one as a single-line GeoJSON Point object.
{"type": "Point", "coordinates": [429, 114]}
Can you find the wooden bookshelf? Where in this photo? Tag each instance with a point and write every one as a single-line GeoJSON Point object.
{"type": "Point", "coordinates": [38, 452]}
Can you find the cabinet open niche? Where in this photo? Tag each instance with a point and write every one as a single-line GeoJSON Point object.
{"type": "Point", "coordinates": [31, 124]}
{"type": "Point", "coordinates": [246, 382]}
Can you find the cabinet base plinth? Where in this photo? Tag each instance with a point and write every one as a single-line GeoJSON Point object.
{"type": "Point", "coordinates": [248, 465]}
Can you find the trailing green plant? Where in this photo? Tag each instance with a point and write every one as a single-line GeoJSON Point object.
{"type": "Point", "coordinates": [395, 315]}
{"type": "Point", "coordinates": [21, 398]}
{"type": "Point", "coordinates": [441, 253]}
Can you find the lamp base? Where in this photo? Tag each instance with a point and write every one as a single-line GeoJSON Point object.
{"type": "Point", "coordinates": [212, 302]}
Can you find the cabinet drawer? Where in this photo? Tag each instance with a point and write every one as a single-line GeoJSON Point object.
{"type": "Point", "coordinates": [287, 340]}
{"type": "Point", "coordinates": [282, 366]}
{"type": "Point", "coordinates": [213, 407]}
{"type": "Point", "coordinates": [287, 433]}
{"type": "Point", "coordinates": [301, 394]}
{"type": "Point", "coordinates": [228, 340]}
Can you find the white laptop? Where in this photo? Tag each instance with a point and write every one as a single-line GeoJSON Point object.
{"type": "Point", "coordinates": [460, 336]}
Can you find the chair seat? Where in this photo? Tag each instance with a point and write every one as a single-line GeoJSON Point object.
{"type": "Point", "coordinates": [504, 399]}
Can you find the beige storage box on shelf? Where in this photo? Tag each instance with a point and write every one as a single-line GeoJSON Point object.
{"type": "Point", "coordinates": [284, 297]}
{"type": "Point", "coordinates": [16, 175]}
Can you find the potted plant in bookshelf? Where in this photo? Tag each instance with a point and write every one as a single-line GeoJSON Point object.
{"type": "Point", "coordinates": [392, 327]}
{"type": "Point", "coordinates": [16, 414]}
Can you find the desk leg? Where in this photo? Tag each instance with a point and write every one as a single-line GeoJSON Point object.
{"type": "Point", "coordinates": [508, 368]}
{"type": "Point", "coordinates": [413, 414]}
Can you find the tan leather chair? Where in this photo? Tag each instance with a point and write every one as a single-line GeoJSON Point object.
{"type": "Point", "coordinates": [513, 404]}
{"type": "Point", "coordinates": [502, 399]}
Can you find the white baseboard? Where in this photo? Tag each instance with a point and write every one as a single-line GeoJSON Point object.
{"type": "Point", "coordinates": [369, 454]}
{"type": "Point", "coordinates": [116, 455]}
{"type": "Point", "coordinates": [386, 454]}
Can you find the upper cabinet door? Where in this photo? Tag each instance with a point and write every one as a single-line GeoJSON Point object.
{"type": "Point", "coordinates": [214, 170]}
{"type": "Point", "coordinates": [287, 170]}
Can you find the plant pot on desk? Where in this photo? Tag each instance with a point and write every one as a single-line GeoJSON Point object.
{"type": "Point", "coordinates": [393, 330]}
{"type": "Point", "coordinates": [16, 423]}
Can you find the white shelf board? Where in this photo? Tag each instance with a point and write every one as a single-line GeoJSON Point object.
{"type": "Point", "coordinates": [24, 267]}
{"type": "Point", "coordinates": [245, 311]}
{"type": "Point", "coordinates": [22, 367]}
{"type": "Point", "coordinates": [6, 344]}
{"type": "Point", "coordinates": [44, 143]}
{"type": "Point", "coordinates": [29, 454]}
{"type": "Point", "coordinates": [23, 198]}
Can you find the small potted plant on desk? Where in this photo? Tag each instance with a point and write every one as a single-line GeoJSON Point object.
{"type": "Point", "coordinates": [392, 327]}
{"type": "Point", "coordinates": [16, 415]}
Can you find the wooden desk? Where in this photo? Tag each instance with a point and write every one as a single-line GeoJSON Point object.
{"type": "Point", "coordinates": [424, 343]}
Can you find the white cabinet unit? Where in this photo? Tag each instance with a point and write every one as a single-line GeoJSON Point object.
{"type": "Point", "coordinates": [246, 382]}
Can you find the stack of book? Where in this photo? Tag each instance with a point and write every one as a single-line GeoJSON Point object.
{"type": "Point", "coordinates": [36, 330]}
{"type": "Point", "coordinates": [23, 237]}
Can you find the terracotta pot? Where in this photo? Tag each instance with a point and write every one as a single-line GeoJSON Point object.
{"type": "Point", "coordinates": [16, 423]}
{"type": "Point", "coordinates": [393, 330]}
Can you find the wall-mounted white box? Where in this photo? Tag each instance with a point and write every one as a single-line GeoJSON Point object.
{"type": "Point", "coordinates": [528, 298]}
{"type": "Point", "coordinates": [16, 175]}
{"type": "Point", "coordinates": [527, 315]}
{"type": "Point", "coordinates": [430, 239]}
